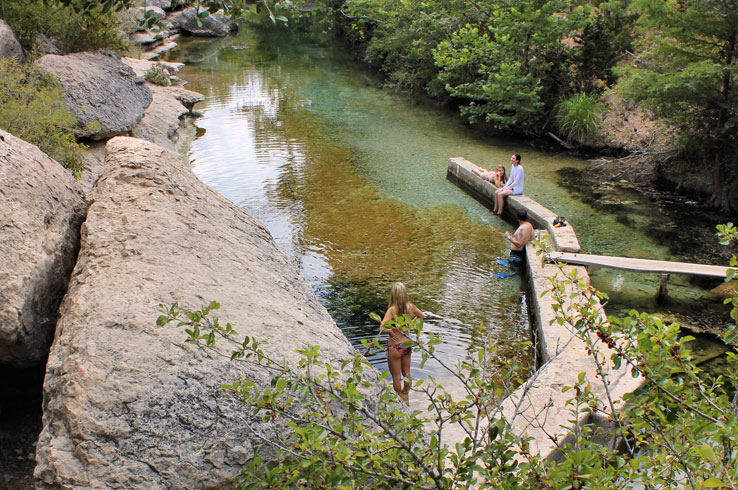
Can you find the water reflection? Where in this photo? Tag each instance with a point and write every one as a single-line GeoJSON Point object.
{"type": "Point", "coordinates": [291, 142]}
{"type": "Point", "coordinates": [350, 180]}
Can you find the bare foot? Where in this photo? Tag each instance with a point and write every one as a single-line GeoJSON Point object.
{"type": "Point", "coordinates": [405, 398]}
{"type": "Point", "coordinates": [408, 384]}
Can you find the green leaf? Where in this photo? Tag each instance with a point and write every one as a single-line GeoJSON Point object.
{"type": "Point", "coordinates": [713, 483]}
{"type": "Point", "coordinates": [705, 452]}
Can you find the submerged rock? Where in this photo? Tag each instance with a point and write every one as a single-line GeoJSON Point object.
{"type": "Point", "coordinates": [42, 209]}
{"type": "Point", "coordinates": [129, 405]}
{"type": "Point", "coordinates": [724, 290]}
{"type": "Point", "coordinates": [104, 94]}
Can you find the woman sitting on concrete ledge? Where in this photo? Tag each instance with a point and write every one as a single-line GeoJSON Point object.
{"type": "Point", "coordinates": [514, 186]}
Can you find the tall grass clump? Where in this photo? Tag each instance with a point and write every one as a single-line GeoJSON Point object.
{"type": "Point", "coordinates": [577, 116]}
{"type": "Point", "coordinates": [32, 108]}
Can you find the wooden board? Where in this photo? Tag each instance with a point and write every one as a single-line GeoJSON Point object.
{"type": "Point", "coordinates": [641, 265]}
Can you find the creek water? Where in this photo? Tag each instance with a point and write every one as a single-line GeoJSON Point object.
{"type": "Point", "coordinates": [350, 179]}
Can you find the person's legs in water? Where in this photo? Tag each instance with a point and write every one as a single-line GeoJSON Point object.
{"type": "Point", "coordinates": [517, 261]}
{"type": "Point", "coordinates": [406, 373]}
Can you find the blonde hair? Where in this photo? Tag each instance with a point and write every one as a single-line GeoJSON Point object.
{"type": "Point", "coordinates": [398, 298]}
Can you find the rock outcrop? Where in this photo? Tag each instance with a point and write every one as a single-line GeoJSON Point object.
{"type": "Point", "coordinates": [104, 94]}
{"type": "Point", "coordinates": [9, 45]}
{"type": "Point", "coordinates": [162, 4]}
{"type": "Point", "coordinates": [130, 405]}
{"type": "Point", "coordinates": [42, 210]}
{"type": "Point", "coordinates": [150, 11]}
{"type": "Point", "coordinates": [163, 119]}
{"type": "Point", "coordinates": [214, 25]}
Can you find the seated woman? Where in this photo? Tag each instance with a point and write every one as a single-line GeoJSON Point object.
{"type": "Point", "coordinates": [513, 187]}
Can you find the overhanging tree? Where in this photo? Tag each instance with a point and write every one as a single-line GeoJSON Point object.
{"type": "Point", "coordinates": [514, 70]}
{"type": "Point", "coordinates": [687, 75]}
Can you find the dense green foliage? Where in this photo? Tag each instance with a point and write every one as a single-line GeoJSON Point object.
{"type": "Point", "coordinates": [513, 69]}
{"type": "Point", "coordinates": [687, 74]}
{"type": "Point", "coordinates": [32, 108]}
{"type": "Point", "coordinates": [506, 63]}
{"type": "Point", "coordinates": [345, 430]}
{"type": "Point", "coordinates": [71, 31]}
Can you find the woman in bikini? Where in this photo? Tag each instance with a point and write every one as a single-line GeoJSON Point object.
{"type": "Point", "coordinates": [498, 177]}
{"type": "Point", "coordinates": [398, 357]}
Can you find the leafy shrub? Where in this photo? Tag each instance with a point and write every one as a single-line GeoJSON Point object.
{"type": "Point", "coordinates": [577, 116]}
{"type": "Point", "coordinates": [32, 108]}
{"type": "Point", "coordinates": [72, 31]}
{"type": "Point", "coordinates": [677, 431]}
{"type": "Point", "coordinates": [158, 75]}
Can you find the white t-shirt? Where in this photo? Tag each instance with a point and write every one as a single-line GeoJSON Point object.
{"type": "Point", "coordinates": [517, 179]}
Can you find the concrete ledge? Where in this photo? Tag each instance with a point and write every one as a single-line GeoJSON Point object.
{"type": "Point", "coordinates": [539, 408]}
{"type": "Point", "coordinates": [461, 172]}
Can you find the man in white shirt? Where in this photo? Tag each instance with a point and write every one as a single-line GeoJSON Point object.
{"type": "Point", "coordinates": [514, 185]}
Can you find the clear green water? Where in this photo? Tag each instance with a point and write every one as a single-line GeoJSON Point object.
{"type": "Point", "coordinates": [350, 179]}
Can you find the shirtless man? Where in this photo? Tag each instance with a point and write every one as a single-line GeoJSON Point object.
{"type": "Point", "coordinates": [522, 236]}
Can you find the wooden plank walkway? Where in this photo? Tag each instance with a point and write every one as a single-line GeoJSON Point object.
{"type": "Point", "coordinates": [641, 265]}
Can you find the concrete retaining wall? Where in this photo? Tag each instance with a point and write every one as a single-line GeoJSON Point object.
{"type": "Point", "coordinates": [538, 408]}
{"type": "Point", "coordinates": [460, 171]}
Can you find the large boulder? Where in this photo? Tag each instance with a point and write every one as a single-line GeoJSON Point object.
{"type": "Point", "coordinates": [214, 25]}
{"type": "Point", "coordinates": [140, 13]}
{"type": "Point", "coordinates": [9, 45]}
{"type": "Point", "coordinates": [129, 405]}
{"type": "Point", "coordinates": [104, 94]}
{"type": "Point", "coordinates": [42, 209]}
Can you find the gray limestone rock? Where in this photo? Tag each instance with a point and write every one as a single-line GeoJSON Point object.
{"type": "Point", "coordinates": [214, 25]}
{"type": "Point", "coordinates": [104, 94]}
{"type": "Point", "coordinates": [142, 66]}
{"type": "Point", "coordinates": [128, 404]}
{"type": "Point", "coordinates": [9, 45]}
{"type": "Point", "coordinates": [162, 4]}
{"type": "Point", "coordinates": [42, 209]}
{"type": "Point", "coordinates": [154, 11]}
{"type": "Point", "coordinates": [147, 38]}
{"type": "Point", "coordinates": [163, 118]}
{"type": "Point", "coordinates": [47, 45]}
